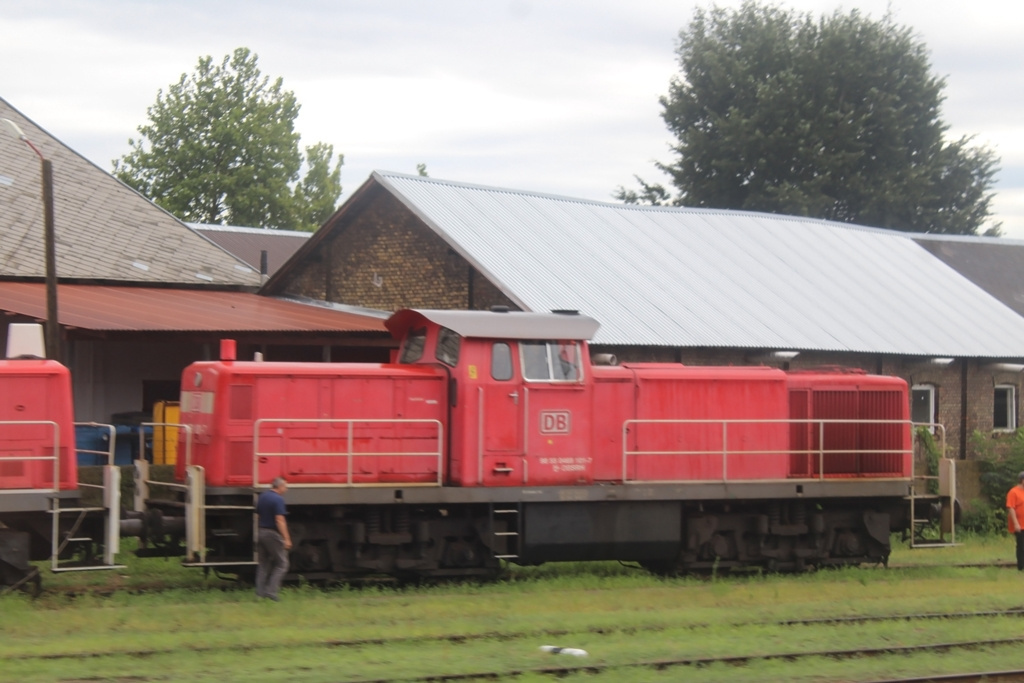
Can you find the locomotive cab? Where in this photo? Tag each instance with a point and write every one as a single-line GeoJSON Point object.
{"type": "Point", "coordinates": [42, 515]}
{"type": "Point", "coordinates": [520, 409]}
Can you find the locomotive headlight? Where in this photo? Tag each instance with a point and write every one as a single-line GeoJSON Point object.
{"type": "Point", "coordinates": [197, 380]}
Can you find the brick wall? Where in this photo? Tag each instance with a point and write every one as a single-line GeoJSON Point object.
{"type": "Point", "coordinates": [384, 257]}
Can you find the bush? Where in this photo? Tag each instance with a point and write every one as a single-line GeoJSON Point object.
{"type": "Point", "coordinates": [982, 518]}
{"type": "Point", "coordinates": [1001, 460]}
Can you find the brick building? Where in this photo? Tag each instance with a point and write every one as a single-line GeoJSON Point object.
{"type": "Point", "coordinates": [681, 285]}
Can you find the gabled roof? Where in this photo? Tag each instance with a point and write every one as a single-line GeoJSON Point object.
{"type": "Point", "coordinates": [708, 278]}
{"type": "Point", "coordinates": [105, 230]}
{"type": "Point", "coordinates": [247, 243]}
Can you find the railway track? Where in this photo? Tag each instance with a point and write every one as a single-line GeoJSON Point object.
{"type": "Point", "coordinates": [1014, 675]}
{"type": "Point", "coordinates": [555, 634]}
{"type": "Point", "coordinates": [622, 668]}
{"type": "Point", "coordinates": [741, 660]}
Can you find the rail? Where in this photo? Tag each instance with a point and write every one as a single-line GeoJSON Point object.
{"type": "Point", "coordinates": [54, 457]}
{"type": "Point", "coordinates": [350, 452]}
{"type": "Point", "coordinates": [142, 479]}
{"type": "Point", "coordinates": [111, 498]}
{"type": "Point", "coordinates": [108, 454]}
{"type": "Point", "coordinates": [167, 425]}
{"type": "Point", "coordinates": [723, 449]}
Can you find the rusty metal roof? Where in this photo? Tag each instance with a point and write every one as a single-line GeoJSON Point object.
{"type": "Point", "coordinates": [110, 308]}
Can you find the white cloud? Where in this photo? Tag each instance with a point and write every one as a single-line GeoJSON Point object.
{"type": "Point", "coordinates": [553, 97]}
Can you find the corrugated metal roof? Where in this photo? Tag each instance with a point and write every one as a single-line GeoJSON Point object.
{"type": "Point", "coordinates": [105, 230]}
{"type": "Point", "coordinates": [705, 278]}
{"type": "Point", "coordinates": [103, 308]}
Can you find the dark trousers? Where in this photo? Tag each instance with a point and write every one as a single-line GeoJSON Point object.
{"type": "Point", "coordinates": [273, 563]}
{"type": "Point", "coordinates": [1020, 550]}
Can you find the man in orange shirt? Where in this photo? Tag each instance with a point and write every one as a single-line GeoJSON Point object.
{"type": "Point", "coordinates": [1015, 517]}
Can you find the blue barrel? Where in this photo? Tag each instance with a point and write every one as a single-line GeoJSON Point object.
{"type": "Point", "coordinates": [92, 438]}
{"type": "Point", "coordinates": [126, 448]}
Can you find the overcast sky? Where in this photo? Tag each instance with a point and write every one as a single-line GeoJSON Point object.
{"type": "Point", "coordinates": [558, 97]}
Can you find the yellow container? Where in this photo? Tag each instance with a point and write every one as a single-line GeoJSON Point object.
{"type": "Point", "coordinates": [165, 439]}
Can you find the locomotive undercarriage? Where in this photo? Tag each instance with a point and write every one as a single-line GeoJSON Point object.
{"type": "Point", "coordinates": [340, 542]}
{"type": "Point", "coordinates": [783, 536]}
{"type": "Point", "coordinates": [337, 542]}
{"type": "Point", "coordinates": [420, 542]}
{"type": "Point", "coordinates": [28, 537]}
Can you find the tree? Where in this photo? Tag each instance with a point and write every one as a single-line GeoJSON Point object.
{"type": "Point", "coordinates": [317, 194]}
{"type": "Point", "coordinates": [835, 118]}
{"type": "Point", "coordinates": [220, 147]}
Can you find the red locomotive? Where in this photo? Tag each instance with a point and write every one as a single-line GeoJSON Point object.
{"type": "Point", "coordinates": [42, 514]}
{"type": "Point", "coordinates": [495, 437]}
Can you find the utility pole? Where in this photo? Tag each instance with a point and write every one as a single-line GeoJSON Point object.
{"type": "Point", "coordinates": [50, 242]}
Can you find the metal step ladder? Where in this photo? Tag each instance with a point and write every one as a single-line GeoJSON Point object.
{"type": "Point", "coordinates": [196, 509]}
{"type": "Point", "coordinates": [508, 512]}
{"type": "Point", "coordinates": [111, 511]}
{"type": "Point", "coordinates": [945, 498]}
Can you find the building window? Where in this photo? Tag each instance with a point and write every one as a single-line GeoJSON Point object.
{"type": "Point", "coordinates": [1004, 412]}
{"type": "Point", "coordinates": [922, 404]}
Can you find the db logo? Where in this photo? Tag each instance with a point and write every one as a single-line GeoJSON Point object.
{"type": "Point", "coordinates": [555, 422]}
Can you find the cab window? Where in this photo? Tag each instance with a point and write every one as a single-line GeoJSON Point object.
{"type": "Point", "coordinates": [549, 361]}
{"type": "Point", "coordinates": [501, 362]}
{"type": "Point", "coordinates": [448, 343]}
{"type": "Point", "coordinates": [412, 347]}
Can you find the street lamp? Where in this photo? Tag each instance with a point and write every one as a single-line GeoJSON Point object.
{"type": "Point", "coordinates": [49, 239]}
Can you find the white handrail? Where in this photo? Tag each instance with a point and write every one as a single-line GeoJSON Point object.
{"type": "Point", "coordinates": [350, 453]}
{"type": "Point", "coordinates": [55, 457]}
{"type": "Point", "coordinates": [177, 425]}
{"type": "Point", "coordinates": [111, 436]}
{"type": "Point", "coordinates": [725, 452]}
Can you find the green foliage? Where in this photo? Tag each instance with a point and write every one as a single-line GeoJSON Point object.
{"type": "Point", "coordinates": [220, 147]}
{"type": "Point", "coordinates": [932, 453]}
{"type": "Point", "coordinates": [835, 118]}
{"type": "Point", "coordinates": [317, 194]}
{"type": "Point", "coordinates": [982, 518]}
{"type": "Point", "coordinates": [421, 170]}
{"type": "Point", "coordinates": [1001, 460]}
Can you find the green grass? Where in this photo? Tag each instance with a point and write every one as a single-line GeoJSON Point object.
{"type": "Point", "coordinates": [621, 615]}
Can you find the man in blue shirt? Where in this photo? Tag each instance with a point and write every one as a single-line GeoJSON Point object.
{"type": "Point", "coordinates": [273, 542]}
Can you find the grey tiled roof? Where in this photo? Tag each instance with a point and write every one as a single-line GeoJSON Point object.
{"type": "Point", "coordinates": [708, 278]}
{"type": "Point", "coordinates": [105, 230]}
